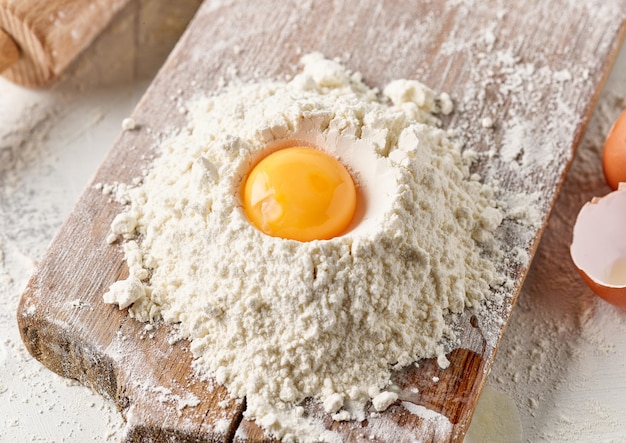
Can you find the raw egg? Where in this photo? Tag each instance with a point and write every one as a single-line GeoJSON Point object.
{"type": "Point", "coordinates": [599, 246]}
{"type": "Point", "coordinates": [300, 193]}
{"type": "Point", "coordinates": [614, 153]}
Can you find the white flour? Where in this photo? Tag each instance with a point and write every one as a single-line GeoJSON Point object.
{"type": "Point", "coordinates": [278, 320]}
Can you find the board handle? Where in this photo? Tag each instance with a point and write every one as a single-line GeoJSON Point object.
{"type": "Point", "coordinates": [9, 52]}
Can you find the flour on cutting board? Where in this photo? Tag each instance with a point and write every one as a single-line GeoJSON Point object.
{"type": "Point", "coordinates": [165, 395]}
{"type": "Point", "coordinates": [562, 342]}
{"type": "Point", "coordinates": [428, 415]}
{"type": "Point", "coordinates": [278, 320]}
{"type": "Point", "coordinates": [513, 84]}
{"type": "Point", "coordinates": [559, 327]}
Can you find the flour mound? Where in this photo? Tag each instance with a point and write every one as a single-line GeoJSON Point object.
{"type": "Point", "coordinates": [278, 321]}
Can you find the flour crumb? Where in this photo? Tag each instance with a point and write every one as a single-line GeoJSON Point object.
{"type": "Point", "coordinates": [342, 416]}
{"type": "Point", "coordinates": [125, 292]}
{"type": "Point", "coordinates": [486, 122]}
{"type": "Point", "coordinates": [443, 361]}
{"type": "Point", "coordinates": [124, 224]}
{"type": "Point", "coordinates": [383, 400]}
{"type": "Point", "coordinates": [129, 124]}
{"type": "Point", "coordinates": [333, 403]}
{"type": "Point", "coordinates": [562, 76]}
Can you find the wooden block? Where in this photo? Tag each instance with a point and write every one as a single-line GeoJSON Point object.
{"type": "Point", "coordinates": [49, 34]}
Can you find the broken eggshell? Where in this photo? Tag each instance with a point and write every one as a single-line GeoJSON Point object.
{"type": "Point", "coordinates": [598, 246]}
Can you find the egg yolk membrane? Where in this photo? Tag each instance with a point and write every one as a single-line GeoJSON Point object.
{"type": "Point", "coordinates": [300, 193]}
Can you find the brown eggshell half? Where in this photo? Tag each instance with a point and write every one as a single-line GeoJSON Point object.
{"type": "Point", "coordinates": [599, 241]}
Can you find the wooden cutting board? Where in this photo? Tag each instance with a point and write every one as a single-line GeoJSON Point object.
{"type": "Point", "coordinates": [533, 68]}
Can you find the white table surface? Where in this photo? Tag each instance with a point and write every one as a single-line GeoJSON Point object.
{"type": "Point", "coordinates": [560, 373]}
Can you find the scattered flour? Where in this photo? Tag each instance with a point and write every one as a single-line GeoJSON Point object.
{"type": "Point", "coordinates": [427, 414]}
{"type": "Point", "coordinates": [165, 395]}
{"type": "Point", "coordinates": [277, 321]}
{"type": "Point", "coordinates": [129, 124]}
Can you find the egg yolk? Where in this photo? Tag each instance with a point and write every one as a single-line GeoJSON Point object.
{"type": "Point", "coordinates": [300, 193]}
{"type": "Point", "coordinates": [614, 153]}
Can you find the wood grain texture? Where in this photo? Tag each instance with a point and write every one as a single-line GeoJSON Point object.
{"type": "Point", "coordinates": [50, 34]}
{"type": "Point", "coordinates": [535, 68]}
{"type": "Point", "coordinates": [9, 52]}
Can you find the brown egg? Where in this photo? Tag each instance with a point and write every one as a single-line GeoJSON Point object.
{"type": "Point", "coordinates": [598, 246]}
{"type": "Point", "coordinates": [614, 153]}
